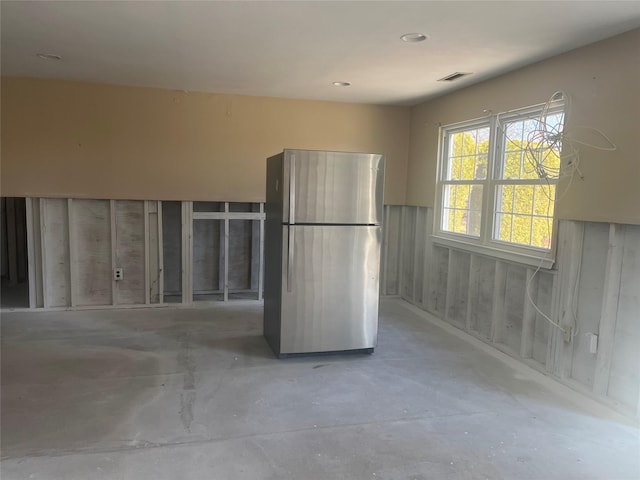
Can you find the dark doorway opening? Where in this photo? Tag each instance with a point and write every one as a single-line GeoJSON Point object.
{"type": "Point", "coordinates": [14, 292]}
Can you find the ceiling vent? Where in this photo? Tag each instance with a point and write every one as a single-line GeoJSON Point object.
{"type": "Point", "coordinates": [454, 76]}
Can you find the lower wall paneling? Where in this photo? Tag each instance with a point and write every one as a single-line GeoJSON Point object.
{"type": "Point", "coordinates": [438, 277]}
{"type": "Point", "coordinates": [514, 304]}
{"type": "Point", "coordinates": [624, 380]}
{"type": "Point", "coordinates": [542, 295]}
{"type": "Point", "coordinates": [390, 273]}
{"type": "Point", "coordinates": [457, 288]}
{"type": "Point", "coordinates": [594, 289]}
{"type": "Point", "coordinates": [481, 299]}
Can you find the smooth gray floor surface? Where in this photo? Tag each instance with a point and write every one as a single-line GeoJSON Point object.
{"type": "Point", "coordinates": [195, 393]}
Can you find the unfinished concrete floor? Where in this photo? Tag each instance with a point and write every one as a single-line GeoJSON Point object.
{"type": "Point", "coordinates": [195, 393]}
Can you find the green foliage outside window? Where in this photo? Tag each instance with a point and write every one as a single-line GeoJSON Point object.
{"type": "Point", "coordinates": [524, 210]}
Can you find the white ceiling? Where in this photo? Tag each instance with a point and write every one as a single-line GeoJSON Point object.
{"type": "Point", "coordinates": [297, 49]}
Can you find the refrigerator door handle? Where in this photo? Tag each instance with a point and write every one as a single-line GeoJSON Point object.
{"type": "Point", "coordinates": [292, 190]}
{"type": "Point", "coordinates": [290, 259]}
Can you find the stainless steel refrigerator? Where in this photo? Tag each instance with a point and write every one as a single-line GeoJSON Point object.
{"type": "Point", "coordinates": [322, 251]}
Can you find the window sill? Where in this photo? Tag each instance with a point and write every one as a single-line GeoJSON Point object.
{"type": "Point", "coordinates": [497, 253]}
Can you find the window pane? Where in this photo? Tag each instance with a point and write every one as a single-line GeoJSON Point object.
{"type": "Point", "coordinates": [544, 200]}
{"type": "Point", "coordinates": [523, 201]}
{"type": "Point", "coordinates": [514, 228]}
{"type": "Point", "coordinates": [541, 232]}
{"type": "Point", "coordinates": [524, 214]}
{"type": "Point", "coordinates": [462, 209]}
{"type": "Point", "coordinates": [521, 229]}
{"type": "Point", "coordinates": [455, 145]}
{"type": "Point", "coordinates": [513, 131]}
{"type": "Point", "coordinates": [527, 165]}
{"type": "Point", "coordinates": [552, 162]}
{"type": "Point", "coordinates": [512, 160]}
{"type": "Point", "coordinates": [531, 147]}
{"type": "Point", "coordinates": [467, 157]}
{"type": "Point", "coordinates": [504, 199]}
{"type": "Point", "coordinates": [468, 169]}
{"type": "Point", "coordinates": [503, 227]}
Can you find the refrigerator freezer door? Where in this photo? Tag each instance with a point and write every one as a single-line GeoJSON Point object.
{"type": "Point", "coordinates": [329, 288]}
{"type": "Point", "coordinates": [333, 187]}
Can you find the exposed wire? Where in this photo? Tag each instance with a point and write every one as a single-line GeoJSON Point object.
{"type": "Point", "coordinates": [609, 148]}
{"type": "Point", "coordinates": [547, 143]}
{"type": "Point", "coordinates": [552, 154]}
{"type": "Point", "coordinates": [542, 260]}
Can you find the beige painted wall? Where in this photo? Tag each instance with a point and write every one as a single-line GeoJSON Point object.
{"type": "Point", "coordinates": [603, 81]}
{"type": "Point", "coordinates": [70, 139]}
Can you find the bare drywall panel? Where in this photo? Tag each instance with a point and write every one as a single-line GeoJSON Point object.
{"type": "Point", "coordinates": [92, 251]}
{"type": "Point", "coordinates": [481, 304]}
{"type": "Point", "coordinates": [239, 254]}
{"type": "Point", "coordinates": [55, 252]}
{"type": "Point", "coordinates": [514, 306]}
{"type": "Point", "coordinates": [427, 245]}
{"type": "Point", "coordinates": [172, 248]}
{"type": "Point", "coordinates": [543, 298]}
{"type": "Point", "coordinates": [438, 280]}
{"type": "Point", "coordinates": [154, 253]}
{"type": "Point", "coordinates": [206, 256]}
{"type": "Point", "coordinates": [186, 209]}
{"type": "Point", "coordinates": [391, 247]}
{"type": "Point", "coordinates": [130, 252]}
{"type": "Point", "coordinates": [408, 239]}
{"type": "Point", "coordinates": [100, 236]}
{"type": "Point", "coordinates": [36, 252]}
{"type": "Point", "coordinates": [458, 288]}
{"type": "Point", "coordinates": [385, 251]}
{"type": "Point", "coordinates": [624, 380]}
{"type": "Point", "coordinates": [569, 256]}
{"type": "Point", "coordinates": [420, 245]}
{"type": "Point", "coordinates": [585, 313]}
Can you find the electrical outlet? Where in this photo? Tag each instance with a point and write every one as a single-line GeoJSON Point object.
{"type": "Point", "coordinates": [118, 274]}
{"type": "Point", "coordinates": [566, 333]}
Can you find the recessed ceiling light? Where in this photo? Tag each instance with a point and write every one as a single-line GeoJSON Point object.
{"type": "Point", "coordinates": [341, 84]}
{"type": "Point", "coordinates": [414, 37]}
{"type": "Point", "coordinates": [48, 56]}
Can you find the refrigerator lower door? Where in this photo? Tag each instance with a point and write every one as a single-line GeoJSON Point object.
{"type": "Point", "coordinates": [330, 280]}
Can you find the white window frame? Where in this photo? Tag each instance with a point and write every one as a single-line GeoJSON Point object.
{"type": "Point", "coordinates": [486, 244]}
